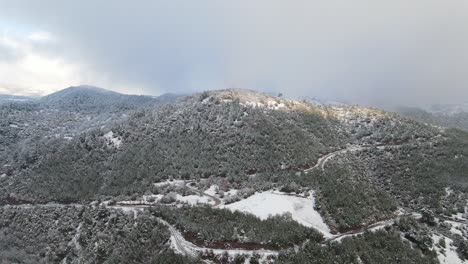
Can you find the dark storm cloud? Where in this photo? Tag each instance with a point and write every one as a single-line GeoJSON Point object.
{"type": "Point", "coordinates": [407, 52]}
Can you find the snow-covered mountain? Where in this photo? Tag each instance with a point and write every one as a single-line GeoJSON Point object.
{"type": "Point", "coordinates": [108, 177]}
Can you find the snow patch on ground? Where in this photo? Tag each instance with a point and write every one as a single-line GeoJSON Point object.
{"type": "Point", "coordinates": [231, 192]}
{"type": "Point", "coordinates": [194, 199]}
{"type": "Point", "coordinates": [116, 141]}
{"type": "Point", "coordinates": [456, 227]}
{"type": "Point", "coordinates": [147, 199]}
{"type": "Point", "coordinates": [152, 198]}
{"type": "Point", "coordinates": [269, 203]}
{"type": "Point", "coordinates": [448, 191]}
{"type": "Point", "coordinates": [213, 190]}
{"type": "Point", "coordinates": [169, 182]}
{"type": "Point", "coordinates": [225, 196]}
{"type": "Point", "coordinates": [460, 216]}
{"type": "Point", "coordinates": [272, 105]}
{"type": "Point", "coordinates": [456, 231]}
{"type": "Point", "coordinates": [179, 199]}
{"type": "Point", "coordinates": [450, 256]}
{"type": "Point", "coordinates": [128, 209]}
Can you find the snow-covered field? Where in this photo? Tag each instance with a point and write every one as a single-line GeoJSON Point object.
{"type": "Point", "coordinates": [269, 203]}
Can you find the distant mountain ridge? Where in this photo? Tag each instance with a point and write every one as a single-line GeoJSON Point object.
{"type": "Point", "coordinates": [454, 116]}
{"type": "Point", "coordinates": [5, 98]}
{"type": "Point", "coordinates": [448, 109]}
{"type": "Point", "coordinates": [91, 98]}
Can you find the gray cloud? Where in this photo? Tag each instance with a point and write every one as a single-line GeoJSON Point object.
{"type": "Point", "coordinates": [7, 54]}
{"type": "Point", "coordinates": [397, 52]}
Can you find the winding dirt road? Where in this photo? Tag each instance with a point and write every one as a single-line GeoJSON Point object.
{"type": "Point", "coordinates": [181, 245]}
{"type": "Point", "coordinates": [217, 201]}
{"type": "Point", "coordinates": [323, 160]}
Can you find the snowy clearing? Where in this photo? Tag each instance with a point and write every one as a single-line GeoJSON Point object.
{"type": "Point", "coordinates": [269, 203]}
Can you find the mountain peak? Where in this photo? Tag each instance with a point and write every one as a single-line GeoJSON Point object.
{"type": "Point", "coordinates": [91, 98]}
{"type": "Point", "coordinates": [83, 88]}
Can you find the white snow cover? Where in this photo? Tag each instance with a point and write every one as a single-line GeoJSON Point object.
{"type": "Point", "coordinates": [212, 190]}
{"type": "Point", "coordinates": [448, 191]}
{"type": "Point", "coordinates": [273, 105]}
{"type": "Point", "coordinates": [460, 216]}
{"type": "Point", "coordinates": [114, 140]}
{"type": "Point", "coordinates": [169, 182]}
{"type": "Point", "coordinates": [194, 199]}
{"type": "Point", "coordinates": [147, 199]}
{"type": "Point", "coordinates": [450, 256]}
{"type": "Point", "coordinates": [231, 192]}
{"type": "Point", "coordinates": [456, 227]}
{"type": "Point", "coordinates": [156, 198]}
{"type": "Point", "coordinates": [269, 203]}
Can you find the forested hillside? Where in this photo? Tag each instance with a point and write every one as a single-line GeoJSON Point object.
{"type": "Point", "coordinates": [363, 166]}
{"type": "Point", "coordinates": [87, 234]}
{"type": "Point", "coordinates": [207, 135]}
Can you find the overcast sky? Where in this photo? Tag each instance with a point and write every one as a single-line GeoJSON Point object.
{"type": "Point", "coordinates": [362, 51]}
